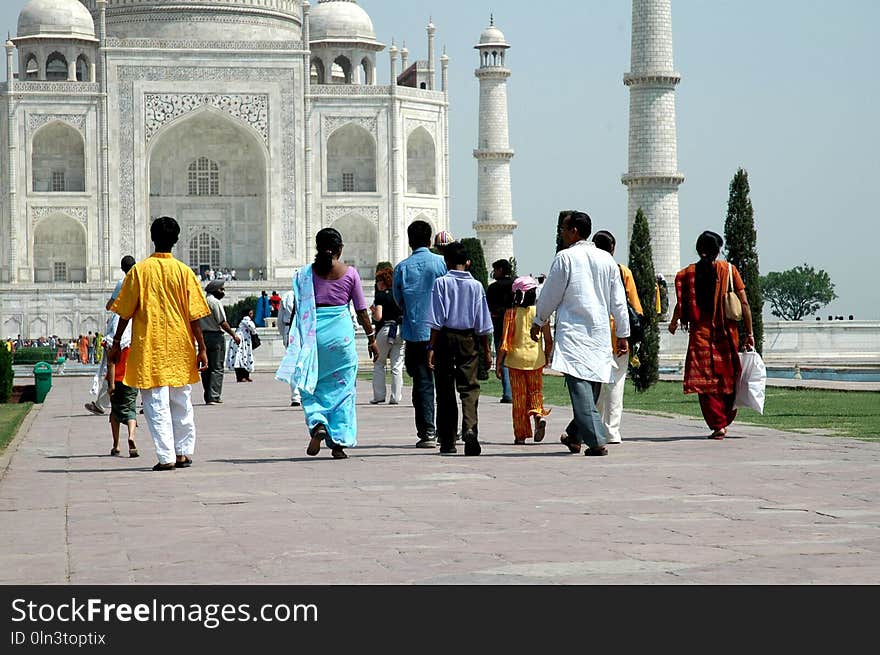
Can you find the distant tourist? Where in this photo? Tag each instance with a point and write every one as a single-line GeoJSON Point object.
{"type": "Point", "coordinates": [458, 317]}
{"type": "Point", "coordinates": [123, 399]}
{"type": "Point", "coordinates": [610, 404]}
{"type": "Point", "coordinates": [240, 356]}
{"type": "Point", "coordinates": [387, 318]}
{"type": "Point", "coordinates": [413, 280]}
{"type": "Point", "coordinates": [712, 366]}
{"type": "Point", "coordinates": [213, 327]}
{"type": "Point", "coordinates": [286, 315]}
{"type": "Point", "coordinates": [322, 359]}
{"type": "Point", "coordinates": [263, 310]}
{"type": "Point", "coordinates": [583, 287]}
{"type": "Point", "coordinates": [164, 300]}
{"type": "Point", "coordinates": [525, 360]}
{"type": "Point", "coordinates": [500, 298]}
{"type": "Point", "coordinates": [274, 303]}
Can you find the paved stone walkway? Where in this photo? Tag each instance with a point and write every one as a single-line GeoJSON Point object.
{"type": "Point", "coordinates": [667, 506]}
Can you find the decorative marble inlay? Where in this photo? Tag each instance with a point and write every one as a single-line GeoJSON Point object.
{"type": "Point", "coordinates": [36, 121]}
{"type": "Point", "coordinates": [333, 123]}
{"type": "Point", "coordinates": [412, 125]}
{"type": "Point", "coordinates": [81, 214]}
{"type": "Point", "coordinates": [176, 44]}
{"type": "Point", "coordinates": [333, 214]}
{"type": "Point", "coordinates": [431, 213]}
{"type": "Point", "coordinates": [162, 108]}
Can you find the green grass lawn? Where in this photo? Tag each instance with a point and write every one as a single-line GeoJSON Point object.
{"type": "Point", "coordinates": [833, 413]}
{"type": "Point", "coordinates": [11, 417]}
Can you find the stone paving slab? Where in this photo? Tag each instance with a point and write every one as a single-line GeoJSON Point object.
{"type": "Point", "coordinates": [666, 507]}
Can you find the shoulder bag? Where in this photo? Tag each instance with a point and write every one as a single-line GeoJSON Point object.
{"type": "Point", "coordinates": [733, 310]}
{"type": "Point", "coordinates": [636, 320]}
{"type": "Point", "coordinates": [255, 341]}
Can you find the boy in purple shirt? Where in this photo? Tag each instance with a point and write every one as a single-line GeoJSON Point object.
{"type": "Point", "coordinates": [458, 316]}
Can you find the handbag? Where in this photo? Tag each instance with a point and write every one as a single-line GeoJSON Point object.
{"type": "Point", "coordinates": [636, 320]}
{"type": "Point", "coordinates": [733, 309]}
{"type": "Point", "coordinates": [255, 341]}
{"type": "Point", "coordinates": [752, 385]}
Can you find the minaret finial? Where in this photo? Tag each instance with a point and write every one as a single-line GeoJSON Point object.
{"type": "Point", "coordinates": [492, 20]}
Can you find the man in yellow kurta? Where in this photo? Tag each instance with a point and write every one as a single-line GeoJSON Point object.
{"type": "Point", "coordinates": [164, 302]}
{"type": "Point", "coordinates": [610, 405]}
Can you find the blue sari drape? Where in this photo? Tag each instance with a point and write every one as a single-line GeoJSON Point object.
{"type": "Point", "coordinates": [262, 312]}
{"type": "Point", "coordinates": [322, 362]}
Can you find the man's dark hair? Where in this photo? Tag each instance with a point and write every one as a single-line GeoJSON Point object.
{"type": "Point", "coordinates": [165, 232]}
{"type": "Point", "coordinates": [582, 223]}
{"type": "Point", "coordinates": [604, 240]}
{"type": "Point", "coordinates": [419, 233]}
{"type": "Point", "coordinates": [502, 265]}
{"type": "Point", "coordinates": [455, 254]}
{"type": "Point", "coordinates": [127, 263]}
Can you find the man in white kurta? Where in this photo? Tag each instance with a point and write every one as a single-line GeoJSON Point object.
{"type": "Point", "coordinates": [286, 313]}
{"type": "Point", "coordinates": [583, 287]}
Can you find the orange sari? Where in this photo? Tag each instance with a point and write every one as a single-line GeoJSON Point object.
{"type": "Point", "coordinates": [84, 350]}
{"type": "Point", "coordinates": [712, 367]}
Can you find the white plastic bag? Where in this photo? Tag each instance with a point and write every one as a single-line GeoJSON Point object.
{"type": "Point", "coordinates": [751, 388]}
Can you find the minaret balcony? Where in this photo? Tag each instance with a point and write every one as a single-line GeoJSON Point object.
{"type": "Point", "coordinates": [509, 226]}
{"type": "Point", "coordinates": [494, 154]}
{"type": "Point", "coordinates": [652, 179]}
{"type": "Point", "coordinates": [654, 78]}
{"type": "Point", "coordinates": [493, 72]}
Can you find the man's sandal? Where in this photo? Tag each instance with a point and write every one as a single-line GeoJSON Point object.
{"type": "Point", "coordinates": [573, 446]}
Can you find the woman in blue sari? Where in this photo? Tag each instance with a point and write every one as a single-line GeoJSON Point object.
{"type": "Point", "coordinates": [321, 358]}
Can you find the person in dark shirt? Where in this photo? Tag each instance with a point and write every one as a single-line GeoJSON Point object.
{"type": "Point", "coordinates": [386, 320]}
{"type": "Point", "coordinates": [500, 298]}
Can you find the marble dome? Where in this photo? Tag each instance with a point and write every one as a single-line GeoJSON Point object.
{"type": "Point", "coordinates": [56, 19]}
{"type": "Point", "coordinates": [203, 20]}
{"type": "Point", "coordinates": [340, 20]}
{"type": "Point", "coordinates": [492, 36]}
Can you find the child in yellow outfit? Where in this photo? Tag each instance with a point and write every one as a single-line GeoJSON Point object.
{"type": "Point", "coordinates": [525, 360]}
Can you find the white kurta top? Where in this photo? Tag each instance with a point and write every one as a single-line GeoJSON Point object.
{"type": "Point", "coordinates": [583, 287]}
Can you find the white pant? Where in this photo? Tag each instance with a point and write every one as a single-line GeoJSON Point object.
{"type": "Point", "coordinates": [170, 418]}
{"type": "Point", "coordinates": [103, 401]}
{"type": "Point", "coordinates": [610, 403]}
{"type": "Point", "coordinates": [295, 395]}
{"type": "Point", "coordinates": [395, 351]}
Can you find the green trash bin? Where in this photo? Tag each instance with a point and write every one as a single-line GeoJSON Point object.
{"type": "Point", "coordinates": [43, 377]}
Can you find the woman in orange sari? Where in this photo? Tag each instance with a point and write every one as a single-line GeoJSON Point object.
{"type": "Point", "coordinates": [83, 349]}
{"type": "Point", "coordinates": [712, 367]}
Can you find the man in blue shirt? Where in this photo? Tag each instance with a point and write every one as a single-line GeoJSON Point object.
{"type": "Point", "coordinates": [413, 280]}
{"type": "Point", "coordinates": [459, 316]}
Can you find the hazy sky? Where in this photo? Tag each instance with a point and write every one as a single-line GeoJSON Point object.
{"type": "Point", "coordinates": [788, 89]}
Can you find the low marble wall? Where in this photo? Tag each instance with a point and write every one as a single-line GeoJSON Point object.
{"type": "Point", "coordinates": [803, 343]}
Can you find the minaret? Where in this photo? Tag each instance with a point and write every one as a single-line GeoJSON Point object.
{"type": "Point", "coordinates": [494, 225]}
{"type": "Point", "coordinates": [653, 178]}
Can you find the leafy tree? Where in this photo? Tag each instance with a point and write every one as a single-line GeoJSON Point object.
{"type": "Point", "coordinates": [741, 239]}
{"type": "Point", "coordinates": [236, 312]}
{"type": "Point", "coordinates": [6, 373]}
{"type": "Point", "coordinates": [474, 248]}
{"type": "Point", "coordinates": [641, 263]}
{"type": "Point", "coordinates": [798, 292]}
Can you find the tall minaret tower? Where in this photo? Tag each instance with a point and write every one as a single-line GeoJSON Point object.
{"type": "Point", "coordinates": [494, 225]}
{"type": "Point", "coordinates": [653, 178]}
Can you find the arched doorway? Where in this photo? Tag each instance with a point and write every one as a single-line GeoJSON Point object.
{"type": "Point", "coordinates": [59, 250]}
{"type": "Point", "coordinates": [421, 163]}
{"type": "Point", "coordinates": [58, 163]}
{"type": "Point", "coordinates": [351, 160]}
{"type": "Point", "coordinates": [360, 237]}
{"type": "Point", "coordinates": [210, 173]}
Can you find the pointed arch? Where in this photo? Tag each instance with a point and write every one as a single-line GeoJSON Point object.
{"type": "Point", "coordinates": [369, 71]}
{"type": "Point", "coordinates": [360, 237]}
{"type": "Point", "coordinates": [351, 160]}
{"type": "Point", "coordinates": [341, 72]}
{"type": "Point", "coordinates": [318, 75]}
{"type": "Point", "coordinates": [421, 163]}
{"type": "Point", "coordinates": [56, 67]}
{"type": "Point", "coordinates": [31, 67]}
{"type": "Point", "coordinates": [83, 69]}
{"type": "Point", "coordinates": [58, 163]}
{"type": "Point", "coordinates": [59, 249]}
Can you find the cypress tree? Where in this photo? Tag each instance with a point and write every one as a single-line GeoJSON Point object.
{"type": "Point", "coordinates": [474, 248]}
{"type": "Point", "coordinates": [741, 250]}
{"type": "Point", "coordinates": [641, 263]}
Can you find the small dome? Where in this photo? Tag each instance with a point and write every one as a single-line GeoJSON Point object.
{"type": "Point", "coordinates": [492, 36]}
{"type": "Point", "coordinates": [340, 20]}
{"type": "Point", "coordinates": [56, 18]}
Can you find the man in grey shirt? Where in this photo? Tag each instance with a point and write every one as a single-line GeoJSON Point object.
{"type": "Point", "coordinates": [213, 327]}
